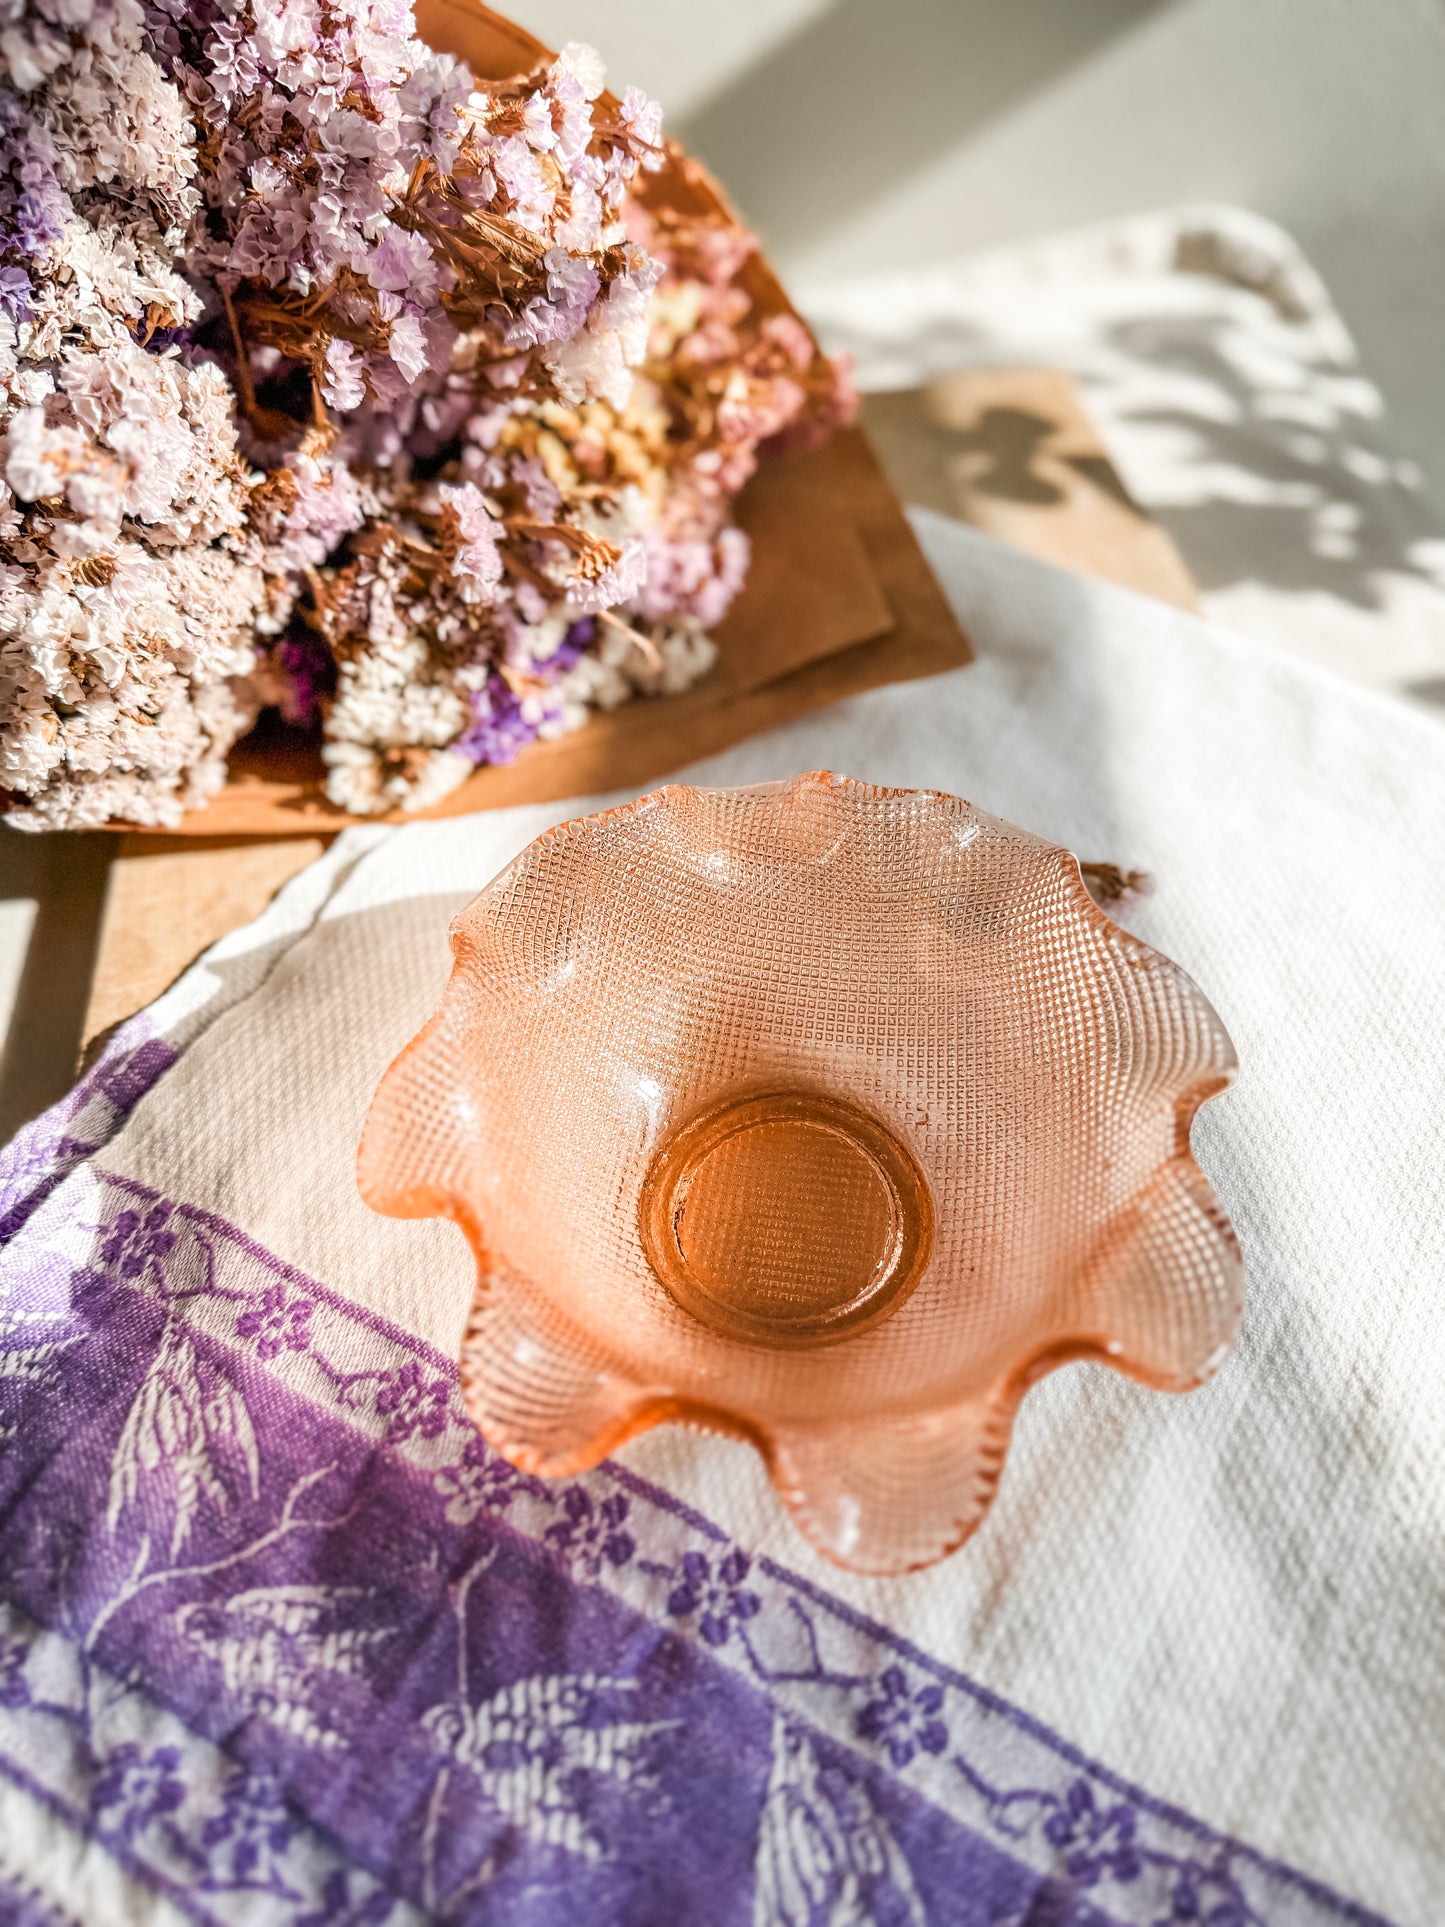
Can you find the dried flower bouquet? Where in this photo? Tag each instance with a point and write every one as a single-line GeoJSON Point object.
{"type": "Point", "coordinates": [336, 379]}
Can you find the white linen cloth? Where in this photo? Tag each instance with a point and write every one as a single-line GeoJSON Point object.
{"type": "Point", "coordinates": [1232, 401]}
{"type": "Point", "coordinates": [1235, 1599]}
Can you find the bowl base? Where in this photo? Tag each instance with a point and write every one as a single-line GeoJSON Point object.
{"type": "Point", "coordinates": [786, 1219]}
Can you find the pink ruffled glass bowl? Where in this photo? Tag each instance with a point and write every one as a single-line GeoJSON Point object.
{"type": "Point", "coordinates": [827, 1116]}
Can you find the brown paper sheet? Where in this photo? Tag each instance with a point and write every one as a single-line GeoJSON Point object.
{"type": "Point", "coordinates": [838, 599]}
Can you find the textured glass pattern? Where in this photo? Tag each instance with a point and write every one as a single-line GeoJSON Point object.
{"type": "Point", "coordinates": [825, 1115]}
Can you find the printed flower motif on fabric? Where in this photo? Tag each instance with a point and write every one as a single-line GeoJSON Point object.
{"type": "Point", "coordinates": [409, 1399]}
{"type": "Point", "coordinates": [247, 1841]}
{"type": "Point", "coordinates": [591, 1535]}
{"type": "Point", "coordinates": [902, 1719]}
{"type": "Point", "coordinates": [139, 1242]}
{"type": "Point", "coordinates": [712, 1592]}
{"type": "Point", "coordinates": [1097, 1842]}
{"type": "Point", "coordinates": [480, 1481]}
{"type": "Point", "coordinates": [135, 1790]}
{"type": "Point", "coordinates": [412, 1400]}
{"type": "Point", "coordinates": [280, 1322]}
{"type": "Point", "coordinates": [170, 1807]}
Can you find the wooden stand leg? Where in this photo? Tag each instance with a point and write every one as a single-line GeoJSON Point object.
{"type": "Point", "coordinates": [53, 889]}
{"type": "Point", "coordinates": [168, 899]}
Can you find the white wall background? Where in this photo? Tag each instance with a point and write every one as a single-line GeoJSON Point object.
{"type": "Point", "coordinates": [862, 133]}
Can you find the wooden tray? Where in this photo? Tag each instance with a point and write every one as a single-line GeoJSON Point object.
{"type": "Point", "coordinates": [838, 599]}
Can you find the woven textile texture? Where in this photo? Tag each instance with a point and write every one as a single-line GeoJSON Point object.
{"type": "Point", "coordinates": [281, 1641]}
{"type": "Point", "coordinates": [1231, 400]}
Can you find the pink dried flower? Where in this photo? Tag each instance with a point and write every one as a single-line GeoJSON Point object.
{"type": "Point", "coordinates": [583, 65]}
{"type": "Point", "coordinates": [416, 290]}
{"type": "Point", "coordinates": [751, 411]}
{"type": "Point", "coordinates": [693, 577]}
{"type": "Point", "coordinates": [642, 119]}
{"type": "Point", "coordinates": [477, 562]}
{"type": "Point", "coordinates": [324, 505]}
{"type": "Point", "coordinates": [342, 383]}
{"type": "Point", "coordinates": [786, 332]}
{"type": "Point", "coordinates": [404, 262]}
{"type": "Point", "coordinates": [540, 492]}
{"type": "Point", "coordinates": [614, 586]}
{"type": "Point", "coordinates": [407, 344]}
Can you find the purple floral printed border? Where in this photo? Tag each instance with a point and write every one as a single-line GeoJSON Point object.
{"type": "Point", "coordinates": [242, 1502]}
{"type": "Point", "coordinates": [19, 1908]}
{"type": "Point", "coordinates": [44, 1152]}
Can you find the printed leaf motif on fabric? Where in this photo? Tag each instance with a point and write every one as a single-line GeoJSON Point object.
{"type": "Point", "coordinates": [826, 1856]}
{"type": "Point", "coordinates": [188, 1440]}
{"type": "Point", "coordinates": [36, 1367]}
{"type": "Point", "coordinates": [534, 1750]}
{"type": "Point", "coordinates": [262, 1525]}
{"type": "Point", "coordinates": [528, 1744]}
{"type": "Point", "coordinates": [280, 1648]}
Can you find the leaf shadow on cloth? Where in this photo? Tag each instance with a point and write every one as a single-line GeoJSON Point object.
{"type": "Point", "coordinates": [1005, 455]}
{"type": "Point", "coordinates": [1321, 508]}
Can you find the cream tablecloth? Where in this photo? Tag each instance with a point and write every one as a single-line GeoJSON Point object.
{"type": "Point", "coordinates": [262, 1588]}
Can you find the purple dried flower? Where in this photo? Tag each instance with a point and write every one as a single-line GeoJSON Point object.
{"type": "Point", "coordinates": [431, 318]}
{"type": "Point", "coordinates": [500, 731]}
{"type": "Point", "coordinates": [543, 497]}
{"type": "Point", "coordinates": [573, 285]}
{"type": "Point", "coordinates": [309, 672]}
{"type": "Point", "coordinates": [404, 262]}
{"type": "Point", "coordinates": [570, 650]}
{"type": "Point", "coordinates": [34, 207]}
{"type": "Point", "coordinates": [16, 294]}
